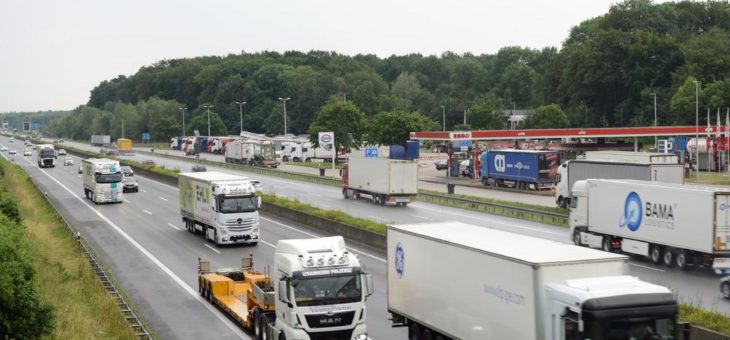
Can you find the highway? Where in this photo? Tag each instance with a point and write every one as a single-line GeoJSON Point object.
{"type": "Point", "coordinates": [154, 260]}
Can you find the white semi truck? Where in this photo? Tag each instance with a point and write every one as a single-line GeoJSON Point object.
{"type": "Point", "coordinates": [316, 290]}
{"type": "Point", "coordinates": [304, 152]}
{"type": "Point", "coordinates": [580, 169]}
{"type": "Point", "coordinates": [503, 285]}
{"type": "Point", "coordinates": [673, 224]}
{"type": "Point", "coordinates": [46, 156]}
{"type": "Point", "coordinates": [631, 156]}
{"type": "Point", "coordinates": [384, 180]}
{"type": "Point", "coordinates": [222, 207]}
{"type": "Point", "coordinates": [102, 180]}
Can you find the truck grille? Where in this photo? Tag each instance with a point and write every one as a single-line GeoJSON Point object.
{"type": "Point", "coordinates": [330, 320]}
{"type": "Point", "coordinates": [337, 335]}
{"type": "Point", "coordinates": [240, 224]}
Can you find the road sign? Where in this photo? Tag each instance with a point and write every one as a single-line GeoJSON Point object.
{"type": "Point", "coordinates": [145, 137]}
{"type": "Point", "coordinates": [36, 126]}
{"type": "Point", "coordinates": [26, 126]}
{"type": "Point", "coordinates": [464, 145]}
{"type": "Point", "coordinates": [371, 153]}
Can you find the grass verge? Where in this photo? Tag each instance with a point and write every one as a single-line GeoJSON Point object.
{"type": "Point", "coordinates": [83, 310]}
{"type": "Point", "coordinates": [554, 210]}
{"type": "Point", "coordinates": [722, 178]}
{"type": "Point", "coordinates": [704, 318]}
{"type": "Point", "coordinates": [316, 165]}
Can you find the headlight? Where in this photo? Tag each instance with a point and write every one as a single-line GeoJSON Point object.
{"type": "Point", "coordinates": [361, 337]}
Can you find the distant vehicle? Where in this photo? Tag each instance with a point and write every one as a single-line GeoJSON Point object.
{"type": "Point", "coordinates": [124, 145]}
{"type": "Point", "coordinates": [81, 169]}
{"type": "Point", "coordinates": [33, 146]}
{"type": "Point", "coordinates": [27, 153]}
{"type": "Point", "coordinates": [4, 149]}
{"type": "Point", "coordinates": [199, 168]}
{"type": "Point", "coordinates": [148, 162]}
{"type": "Point", "coordinates": [130, 183]}
{"type": "Point", "coordinates": [11, 137]}
{"type": "Point", "coordinates": [464, 168]}
{"type": "Point", "coordinates": [725, 287]}
{"type": "Point", "coordinates": [100, 140]}
{"type": "Point", "coordinates": [61, 152]}
{"type": "Point", "coordinates": [12, 152]}
{"type": "Point", "coordinates": [441, 164]}
{"type": "Point", "coordinates": [101, 180]}
{"type": "Point", "coordinates": [46, 156]}
{"type": "Point", "coordinates": [11, 140]}
{"type": "Point", "coordinates": [257, 185]}
{"type": "Point", "coordinates": [384, 180]}
{"type": "Point", "coordinates": [60, 141]}
{"type": "Point", "coordinates": [521, 169]}
{"type": "Point", "coordinates": [127, 170]}
{"type": "Point", "coordinates": [68, 161]}
{"type": "Point", "coordinates": [112, 152]}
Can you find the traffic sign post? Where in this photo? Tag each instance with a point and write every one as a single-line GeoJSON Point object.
{"type": "Point", "coordinates": [328, 138]}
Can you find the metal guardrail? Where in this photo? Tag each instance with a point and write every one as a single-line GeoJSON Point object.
{"type": "Point", "coordinates": [497, 209]}
{"type": "Point", "coordinates": [135, 323]}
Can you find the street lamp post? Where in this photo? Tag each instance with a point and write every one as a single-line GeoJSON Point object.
{"type": "Point", "coordinates": [443, 116]}
{"type": "Point", "coordinates": [240, 111]}
{"type": "Point", "coordinates": [182, 109]}
{"type": "Point", "coordinates": [656, 142]}
{"type": "Point", "coordinates": [207, 107]}
{"type": "Point", "coordinates": [697, 126]}
{"type": "Point", "coordinates": [344, 96]}
{"type": "Point", "coordinates": [284, 100]}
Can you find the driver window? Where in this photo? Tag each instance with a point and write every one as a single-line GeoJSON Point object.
{"type": "Point", "coordinates": [574, 202]}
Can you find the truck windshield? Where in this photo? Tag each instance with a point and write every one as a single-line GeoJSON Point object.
{"type": "Point", "coordinates": [639, 329]}
{"type": "Point", "coordinates": [109, 178]}
{"type": "Point", "coordinates": [48, 153]}
{"type": "Point", "coordinates": [327, 290]}
{"type": "Point", "coordinates": [231, 205]}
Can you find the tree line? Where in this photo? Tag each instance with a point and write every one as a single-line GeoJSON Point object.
{"type": "Point", "coordinates": [606, 73]}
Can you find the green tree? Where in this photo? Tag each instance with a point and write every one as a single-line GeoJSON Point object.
{"type": "Point", "coordinates": [200, 123]}
{"type": "Point", "coordinates": [344, 119]}
{"type": "Point", "coordinates": [683, 103]}
{"type": "Point", "coordinates": [486, 114]}
{"type": "Point", "coordinates": [547, 117]}
{"type": "Point", "coordinates": [394, 127]}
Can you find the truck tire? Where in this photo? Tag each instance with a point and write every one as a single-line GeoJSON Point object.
{"type": "Point", "coordinates": [668, 257]}
{"type": "Point", "coordinates": [383, 199]}
{"type": "Point", "coordinates": [285, 158]}
{"type": "Point", "coordinates": [414, 331]}
{"type": "Point", "coordinates": [681, 259]}
{"type": "Point", "coordinates": [258, 325]}
{"type": "Point", "coordinates": [296, 159]}
{"type": "Point", "coordinates": [606, 244]}
{"type": "Point", "coordinates": [655, 254]}
{"type": "Point", "coordinates": [576, 238]}
{"type": "Point", "coordinates": [427, 334]}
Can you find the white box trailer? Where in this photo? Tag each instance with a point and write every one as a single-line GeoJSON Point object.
{"type": "Point", "coordinates": [222, 207]}
{"type": "Point", "coordinates": [240, 151]}
{"type": "Point", "coordinates": [470, 282]}
{"type": "Point", "coordinates": [580, 169]}
{"type": "Point", "coordinates": [385, 180]}
{"type": "Point", "coordinates": [102, 180]}
{"type": "Point", "coordinates": [673, 224]}
{"type": "Point", "coordinates": [631, 156]}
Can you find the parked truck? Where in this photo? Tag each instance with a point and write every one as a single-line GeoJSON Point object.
{"type": "Point", "coordinates": [512, 286]}
{"type": "Point", "coordinates": [631, 156]}
{"type": "Point", "coordinates": [221, 207]}
{"type": "Point", "coordinates": [102, 180]}
{"type": "Point", "coordinates": [316, 290]}
{"type": "Point", "coordinates": [46, 156]}
{"type": "Point", "coordinates": [251, 152]}
{"type": "Point", "coordinates": [100, 140]}
{"type": "Point", "coordinates": [304, 152]}
{"type": "Point", "coordinates": [124, 145]}
{"type": "Point", "coordinates": [581, 169]}
{"type": "Point", "coordinates": [384, 180]}
{"type": "Point", "coordinates": [673, 224]}
{"type": "Point", "coordinates": [522, 169]}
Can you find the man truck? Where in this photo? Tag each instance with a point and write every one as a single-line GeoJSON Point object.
{"type": "Point", "coordinates": [102, 180]}
{"type": "Point", "coordinates": [221, 207]}
{"type": "Point", "coordinates": [512, 286]}
{"type": "Point", "coordinates": [384, 180]}
{"type": "Point", "coordinates": [671, 224]}
{"type": "Point", "coordinates": [316, 290]}
{"type": "Point", "coordinates": [581, 169]}
{"type": "Point", "coordinates": [46, 156]}
{"type": "Point", "coordinates": [521, 169]}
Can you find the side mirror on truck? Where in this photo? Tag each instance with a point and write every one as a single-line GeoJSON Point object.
{"type": "Point", "coordinates": [369, 285]}
{"type": "Point", "coordinates": [283, 296]}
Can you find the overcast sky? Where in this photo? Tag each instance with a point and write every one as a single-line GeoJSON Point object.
{"type": "Point", "coordinates": [53, 52]}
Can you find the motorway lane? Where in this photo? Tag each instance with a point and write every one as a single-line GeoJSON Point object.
{"type": "Point", "coordinates": [697, 286]}
{"type": "Point", "coordinates": [152, 219]}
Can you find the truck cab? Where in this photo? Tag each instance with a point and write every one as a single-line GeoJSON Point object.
{"type": "Point", "coordinates": [562, 189]}
{"type": "Point", "coordinates": [46, 156]}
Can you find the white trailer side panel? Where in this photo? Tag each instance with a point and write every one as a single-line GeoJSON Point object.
{"type": "Point", "coordinates": [673, 173]}
{"type": "Point", "coordinates": [403, 177]}
{"type": "Point", "coordinates": [667, 214]}
{"type": "Point", "coordinates": [383, 176]}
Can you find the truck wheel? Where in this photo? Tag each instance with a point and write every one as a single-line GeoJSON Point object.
{"type": "Point", "coordinates": [344, 193]}
{"type": "Point", "coordinates": [606, 244]}
{"type": "Point", "coordinates": [668, 257]}
{"type": "Point", "coordinates": [257, 325]}
{"type": "Point", "coordinates": [681, 260]}
{"type": "Point", "coordinates": [296, 159]}
{"type": "Point", "coordinates": [655, 254]}
{"type": "Point", "coordinates": [383, 199]}
{"type": "Point", "coordinates": [427, 334]}
{"type": "Point", "coordinates": [285, 158]}
{"type": "Point", "coordinates": [576, 238]}
{"type": "Point", "coordinates": [414, 331]}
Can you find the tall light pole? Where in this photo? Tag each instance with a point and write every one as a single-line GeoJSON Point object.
{"type": "Point", "coordinates": [344, 96]}
{"type": "Point", "coordinates": [182, 109]}
{"type": "Point", "coordinates": [240, 111]}
{"type": "Point", "coordinates": [697, 126]}
{"type": "Point", "coordinates": [207, 107]}
{"type": "Point", "coordinates": [443, 116]}
{"type": "Point", "coordinates": [284, 100]}
{"type": "Point", "coordinates": [656, 145]}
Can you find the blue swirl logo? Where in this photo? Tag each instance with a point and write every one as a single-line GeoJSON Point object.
{"type": "Point", "coordinates": [632, 212]}
{"type": "Point", "coordinates": [399, 260]}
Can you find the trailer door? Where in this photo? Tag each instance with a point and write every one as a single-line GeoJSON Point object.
{"type": "Point", "coordinates": [722, 222]}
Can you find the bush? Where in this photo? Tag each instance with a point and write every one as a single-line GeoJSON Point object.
{"type": "Point", "coordinates": [9, 207]}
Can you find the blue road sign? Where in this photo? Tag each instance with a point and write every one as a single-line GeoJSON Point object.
{"type": "Point", "coordinates": [464, 144]}
{"type": "Point", "coordinates": [371, 153]}
{"type": "Point", "coordinates": [145, 136]}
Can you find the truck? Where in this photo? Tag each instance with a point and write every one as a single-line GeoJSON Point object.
{"type": "Point", "coordinates": [316, 290]}
{"type": "Point", "coordinates": [581, 169]}
{"type": "Point", "coordinates": [100, 140]}
{"type": "Point", "coordinates": [221, 207]}
{"type": "Point", "coordinates": [102, 180]}
{"type": "Point", "coordinates": [522, 169]}
{"type": "Point", "coordinates": [670, 224]}
{"type": "Point", "coordinates": [631, 156]}
{"type": "Point", "coordinates": [304, 152]}
{"type": "Point", "coordinates": [124, 145]}
{"type": "Point", "coordinates": [251, 152]}
{"type": "Point", "coordinates": [512, 286]}
{"type": "Point", "coordinates": [384, 180]}
{"type": "Point", "coordinates": [46, 156]}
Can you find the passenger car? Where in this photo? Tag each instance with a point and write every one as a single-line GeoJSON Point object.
{"type": "Point", "coordinates": [27, 153]}
{"type": "Point", "coordinates": [129, 182]}
{"type": "Point", "coordinates": [12, 152]}
{"type": "Point", "coordinates": [199, 168]}
{"type": "Point", "coordinates": [68, 161]}
{"type": "Point", "coordinates": [441, 164]}
{"type": "Point", "coordinates": [3, 149]}
{"type": "Point", "coordinates": [61, 152]}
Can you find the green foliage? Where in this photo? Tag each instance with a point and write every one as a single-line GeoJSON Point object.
{"type": "Point", "coordinates": [345, 120]}
{"type": "Point", "coordinates": [711, 320]}
{"type": "Point", "coordinates": [547, 117]}
{"type": "Point", "coordinates": [394, 127]}
{"type": "Point", "coordinates": [200, 123]}
{"type": "Point", "coordinates": [9, 207]}
{"type": "Point", "coordinates": [486, 114]}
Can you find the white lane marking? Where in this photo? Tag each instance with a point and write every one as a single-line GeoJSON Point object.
{"type": "Point", "coordinates": [143, 190]}
{"type": "Point", "coordinates": [267, 243]}
{"type": "Point", "coordinates": [126, 200]}
{"type": "Point", "coordinates": [162, 198]}
{"type": "Point", "coordinates": [425, 218]}
{"type": "Point", "coordinates": [173, 226]}
{"type": "Point", "coordinates": [645, 267]}
{"type": "Point", "coordinates": [315, 236]}
{"type": "Point", "coordinates": [147, 212]}
{"type": "Point", "coordinates": [168, 271]}
{"type": "Point", "coordinates": [211, 248]}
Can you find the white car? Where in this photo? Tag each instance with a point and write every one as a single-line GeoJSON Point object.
{"type": "Point", "coordinates": [61, 152]}
{"type": "Point", "coordinates": [68, 161]}
{"type": "Point", "coordinates": [27, 153]}
{"type": "Point", "coordinates": [464, 168]}
{"type": "Point", "coordinates": [257, 185]}
{"type": "Point", "coordinates": [12, 152]}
